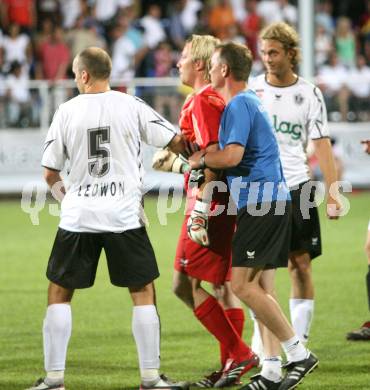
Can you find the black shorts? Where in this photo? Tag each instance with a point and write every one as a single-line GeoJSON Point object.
{"type": "Point", "coordinates": [305, 221]}
{"type": "Point", "coordinates": [262, 241]}
{"type": "Point", "coordinates": [75, 256]}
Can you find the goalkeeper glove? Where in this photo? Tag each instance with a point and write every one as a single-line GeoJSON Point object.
{"type": "Point", "coordinates": [196, 178]}
{"type": "Point", "coordinates": [197, 224]}
{"type": "Point", "coordinates": [167, 161]}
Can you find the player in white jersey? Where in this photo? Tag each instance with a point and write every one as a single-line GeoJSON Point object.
{"type": "Point", "coordinates": [101, 132]}
{"type": "Point", "coordinates": [298, 113]}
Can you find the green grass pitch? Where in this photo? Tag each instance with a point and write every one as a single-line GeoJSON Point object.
{"type": "Point", "coordinates": [102, 353]}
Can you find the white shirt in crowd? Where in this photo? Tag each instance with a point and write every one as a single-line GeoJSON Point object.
{"type": "Point", "coordinates": [298, 114]}
{"type": "Point", "coordinates": [333, 78]}
{"type": "Point", "coordinates": [358, 81]}
{"type": "Point", "coordinates": [101, 135]}
{"type": "Point", "coordinates": [18, 88]}
{"type": "Point", "coordinates": [107, 9]}
{"type": "Point", "coordinates": [15, 49]}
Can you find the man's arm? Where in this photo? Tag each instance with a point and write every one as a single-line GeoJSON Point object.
{"type": "Point", "coordinates": [324, 154]}
{"type": "Point", "coordinates": [366, 143]}
{"type": "Point", "coordinates": [221, 159]}
{"type": "Point", "coordinates": [52, 178]}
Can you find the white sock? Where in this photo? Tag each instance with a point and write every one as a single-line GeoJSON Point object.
{"type": "Point", "coordinates": [54, 377]}
{"type": "Point", "coordinates": [56, 333]}
{"type": "Point", "coordinates": [146, 331]}
{"type": "Point", "coordinates": [294, 349]}
{"type": "Point", "coordinates": [256, 342]}
{"type": "Point", "coordinates": [271, 368]}
{"type": "Point", "coordinates": [301, 314]}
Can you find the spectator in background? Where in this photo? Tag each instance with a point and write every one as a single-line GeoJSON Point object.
{"type": "Point", "coordinates": [21, 12]}
{"type": "Point", "coordinates": [2, 91]}
{"type": "Point", "coordinates": [331, 80]}
{"type": "Point", "coordinates": [54, 57]}
{"type": "Point", "coordinates": [18, 97]}
{"type": "Point", "coordinates": [324, 16]}
{"type": "Point", "coordinates": [17, 47]}
{"type": "Point", "coordinates": [70, 10]}
{"type": "Point", "coordinates": [153, 29]}
{"type": "Point", "coordinates": [83, 36]}
{"type": "Point", "coordinates": [278, 11]}
{"type": "Point", "coordinates": [105, 12]}
{"type": "Point", "coordinates": [48, 9]}
{"type": "Point", "coordinates": [251, 26]}
{"type": "Point", "coordinates": [220, 19]}
{"type": "Point", "coordinates": [345, 43]}
{"type": "Point", "coordinates": [323, 45]}
{"type": "Point", "coordinates": [239, 10]}
{"type": "Point", "coordinates": [127, 53]}
{"type": "Point", "coordinates": [43, 34]}
{"type": "Point", "coordinates": [166, 99]}
{"type": "Point", "coordinates": [190, 13]}
{"type": "Point", "coordinates": [358, 82]}
{"type": "Point", "coordinates": [177, 31]}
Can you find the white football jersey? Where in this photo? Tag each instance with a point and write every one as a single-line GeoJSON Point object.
{"type": "Point", "coordinates": [101, 135]}
{"type": "Point", "coordinates": [297, 113]}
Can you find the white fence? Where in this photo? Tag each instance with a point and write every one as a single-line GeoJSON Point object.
{"type": "Point", "coordinates": [20, 149]}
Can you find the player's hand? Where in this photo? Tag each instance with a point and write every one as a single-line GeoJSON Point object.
{"type": "Point", "coordinates": [198, 223]}
{"type": "Point", "coordinates": [190, 148]}
{"type": "Point", "coordinates": [333, 208]}
{"type": "Point", "coordinates": [196, 178]}
{"type": "Point", "coordinates": [366, 143]}
{"type": "Point", "coordinates": [167, 161]}
{"type": "Point", "coordinates": [194, 159]}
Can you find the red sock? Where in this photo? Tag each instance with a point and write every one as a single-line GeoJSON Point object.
{"type": "Point", "coordinates": [237, 318]}
{"type": "Point", "coordinates": [211, 314]}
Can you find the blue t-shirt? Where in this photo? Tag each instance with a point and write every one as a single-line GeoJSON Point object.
{"type": "Point", "coordinates": [259, 175]}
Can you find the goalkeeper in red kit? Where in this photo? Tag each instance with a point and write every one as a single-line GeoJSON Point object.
{"type": "Point", "coordinates": [204, 247]}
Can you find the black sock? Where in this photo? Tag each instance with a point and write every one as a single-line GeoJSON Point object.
{"type": "Point", "coordinates": [368, 285]}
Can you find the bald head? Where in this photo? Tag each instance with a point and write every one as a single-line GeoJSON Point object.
{"type": "Point", "coordinates": [95, 61]}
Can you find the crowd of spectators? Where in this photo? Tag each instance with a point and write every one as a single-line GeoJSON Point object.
{"type": "Point", "coordinates": [38, 40]}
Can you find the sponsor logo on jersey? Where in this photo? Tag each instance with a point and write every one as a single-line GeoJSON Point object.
{"type": "Point", "coordinates": [284, 127]}
{"type": "Point", "coordinates": [278, 97]}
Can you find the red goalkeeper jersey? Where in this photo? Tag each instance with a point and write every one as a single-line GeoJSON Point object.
{"type": "Point", "coordinates": [200, 116]}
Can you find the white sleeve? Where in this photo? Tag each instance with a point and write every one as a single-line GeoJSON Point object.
{"type": "Point", "coordinates": [154, 129]}
{"type": "Point", "coordinates": [54, 154]}
{"type": "Point", "coordinates": [317, 116]}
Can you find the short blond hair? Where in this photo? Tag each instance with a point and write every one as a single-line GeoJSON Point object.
{"type": "Point", "coordinates": [202, 48]}
{"type": "Point", "coordinates": [287, 36]}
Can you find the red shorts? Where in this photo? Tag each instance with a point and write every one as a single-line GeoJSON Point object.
{"type": "Point", "coordinates": [211, 264]}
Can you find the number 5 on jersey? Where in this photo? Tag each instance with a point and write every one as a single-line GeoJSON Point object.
{"type": "Point", "coordinates": [99, 154]}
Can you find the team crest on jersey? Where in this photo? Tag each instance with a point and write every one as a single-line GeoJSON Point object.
{"type": "Point", "coordinates": [298, 99]}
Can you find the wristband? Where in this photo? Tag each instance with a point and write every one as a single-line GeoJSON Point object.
{"type": "Point", "coordinates": [202, 161]}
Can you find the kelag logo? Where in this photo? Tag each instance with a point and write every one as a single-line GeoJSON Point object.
{"type": "Point", "coordinates": [287, 128]}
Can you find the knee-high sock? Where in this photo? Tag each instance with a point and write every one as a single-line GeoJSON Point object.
{"type": "Point", "coordinates": [301, 313]}
{"type": "Point", "coordinates": [211, 314]}
{"type": "Point", "coordinates": [237, 318]}
{"type": "Point", "coordinates": [146, 331]}
{"type": "Point", "coordinates": [56, 333]}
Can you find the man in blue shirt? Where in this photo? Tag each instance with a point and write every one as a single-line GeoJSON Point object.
{"type": "Point", "coordinates": [249, 154]}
